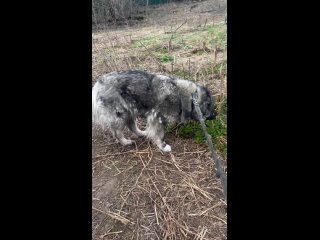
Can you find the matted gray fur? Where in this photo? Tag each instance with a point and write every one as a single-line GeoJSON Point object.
{"type": "Point", "coordinates": [118, 98]}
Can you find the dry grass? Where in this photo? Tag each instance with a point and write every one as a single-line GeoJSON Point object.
{"type": "Point", "coordinates": [156, 195]}
{"type": "Point", "coordinates": [138, 191]}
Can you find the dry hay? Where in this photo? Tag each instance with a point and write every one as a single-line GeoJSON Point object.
{"type": "Point", "coordinates": [141, 193]}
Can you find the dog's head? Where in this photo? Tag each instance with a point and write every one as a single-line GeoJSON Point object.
{"type": "Point", "coordinates": [206, 103]}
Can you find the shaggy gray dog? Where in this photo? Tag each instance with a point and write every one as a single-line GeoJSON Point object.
{"type": "Point", "coordinates": [118, 98]}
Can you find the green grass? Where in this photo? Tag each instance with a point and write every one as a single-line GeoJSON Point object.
{"type": "Point", "coordinates": [215, 70]}
{"type": "Point", "coordinates": [210, 29]}
{"type": "Point", "coordinates": [181, 73]}
{"type": "Point", "coordinates": [187, 47]}
{"type": "Point", "coordinates": [166, 58]}
{"type": "Point", "coordinates": [219, 35]}
{"type": "Point", "coordinates": [208, 70]}
{"type": "Point", "coordinates": [146, 41]}
{"type": "Point", "coordinates": [216, 128]}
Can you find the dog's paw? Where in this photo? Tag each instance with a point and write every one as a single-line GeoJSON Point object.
{"type": "Point", "coordinates": [166, 148]}
{"type": "Point", "coordinates": [127, 142]}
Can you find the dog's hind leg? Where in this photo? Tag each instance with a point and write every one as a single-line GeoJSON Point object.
{"type": "Point", "coordinates": [155, 131]}
{"type": "Point", "coordinates": [117, 127]}
{"type": "Point", "coordinates": [118, 134]}
{"type": "Point", "coordinates": [132, 125]}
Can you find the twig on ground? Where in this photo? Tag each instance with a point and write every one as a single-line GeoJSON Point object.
{"type": "Point", "coordinates": [116, 216]}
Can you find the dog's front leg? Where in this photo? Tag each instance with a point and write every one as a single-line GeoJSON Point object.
{"type": "Point", "coordinates": [162, 145]}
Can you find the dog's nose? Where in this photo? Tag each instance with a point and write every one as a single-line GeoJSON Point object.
{"type": "Point", "coordinates": [211, 116]}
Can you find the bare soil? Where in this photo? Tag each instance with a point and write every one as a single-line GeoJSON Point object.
{"type": "Point", "coordinates": [160, 195]}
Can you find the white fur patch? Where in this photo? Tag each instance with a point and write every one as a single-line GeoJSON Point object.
{"type": "Point", "coordinates": [167, 148]}
{"type": "Point", "coordinates": [186, 85]}
{"type": "Point", "coordinates": [127, 141]}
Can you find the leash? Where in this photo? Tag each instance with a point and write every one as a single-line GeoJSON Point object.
{"type": "Point", "coordinates": [219, 172]}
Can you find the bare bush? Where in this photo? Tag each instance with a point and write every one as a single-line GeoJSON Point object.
{"type": "Point", "coordinates": [106, 11]}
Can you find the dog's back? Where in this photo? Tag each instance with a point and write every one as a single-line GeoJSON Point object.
{"type": "Point", "coordinates": [144, 91]}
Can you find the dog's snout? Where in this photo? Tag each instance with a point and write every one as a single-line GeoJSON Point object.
{"type": "Point", "coordinates": [212, 116]}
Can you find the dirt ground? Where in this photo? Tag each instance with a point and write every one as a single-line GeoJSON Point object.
{"type": "Point", "coordinates": [141, 193]}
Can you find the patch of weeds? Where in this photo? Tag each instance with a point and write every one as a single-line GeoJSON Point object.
{"type": "Point", "coordinates": [187, 47]}
{"type": "Point", "coordinates": [166, 58]}
{"type": "Point", "coordinates": [181, 73]}
{"type": "Point", "coordinates": [172, 36]}
{"type": "Point", "coordinates": [180, 41]}
{"type": "Point", "coordinates": [210, 29]}
{"type": "Point", "coordinates": [213, 42]}
{"type": "Point", "coordinates": [170, 127]}
{"type": "Point", "coordinates": [136, 44]}
{"type": "Point", "coordinates": [220, 36]}
{"type": "Point", "coordinates": [200, 52]}
{"type": "Point", "coordinates": [143, 42]}
{"type": "Point", "coordinates": [215, 70]}
{"type": "Point", "coordinates": [164, 39]}
{"type": "Point", "coordinates": [216, 128]}
{"type": "Point", "coordinates": [158, 48]}
{"type": "Point", "coordinates": [161, 50]}
{"type": "Point", "coordinates": [221, 65]}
